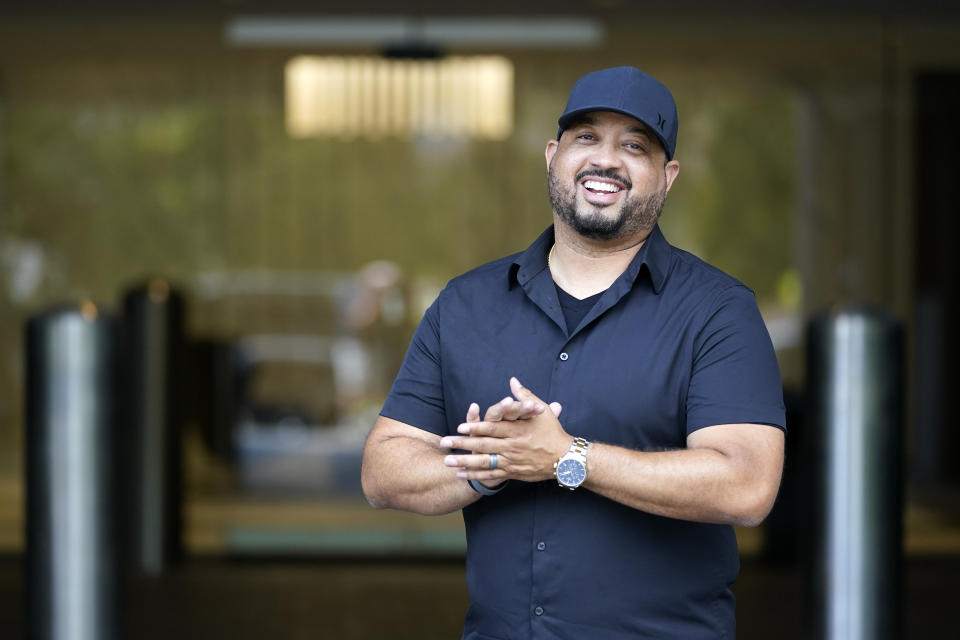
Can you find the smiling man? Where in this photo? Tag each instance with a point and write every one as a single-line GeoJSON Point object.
{"type": "Point", "coordinates": [598, 494]}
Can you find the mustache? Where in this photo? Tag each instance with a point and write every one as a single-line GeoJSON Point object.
{"type": "Point", "coordinates": [609, 174]}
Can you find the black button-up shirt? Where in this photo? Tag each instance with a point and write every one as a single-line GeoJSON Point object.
{"type": "Point", "coordinates": [674, 345]}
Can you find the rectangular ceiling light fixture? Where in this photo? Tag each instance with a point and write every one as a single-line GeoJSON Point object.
{"type": "Point", "coordinates": [451, 34]}
{"type": "Point", "coordinates": [371, 97]}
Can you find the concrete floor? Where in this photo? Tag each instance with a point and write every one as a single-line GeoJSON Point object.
{"type": "Point", "coordinates": [355, 587]}
{"type": "Point", "coordinates": [421, 600]}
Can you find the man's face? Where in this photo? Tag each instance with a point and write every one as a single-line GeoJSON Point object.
{"type": "Point", "coordinates": [608, 176]}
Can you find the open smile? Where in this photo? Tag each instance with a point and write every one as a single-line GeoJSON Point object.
{"type": "Point", "coordinates": [600, 186]}
{"type": "Point", "coordinates": [602, 191]}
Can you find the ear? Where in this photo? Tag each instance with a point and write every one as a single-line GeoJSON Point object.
{"type": "Point", "coordinates": [671, 170]}
{"type": "Point", "coordinates": [551, 150]}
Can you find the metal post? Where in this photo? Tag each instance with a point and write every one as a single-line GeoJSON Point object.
{"type": "Point", "coordinates": [855, 365]}
{"type": "Point", "coordinates": [71, 564]}
{"type": "Point", "coordinates": [152, 351]}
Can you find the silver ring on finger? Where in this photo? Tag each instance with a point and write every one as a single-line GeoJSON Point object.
{"type": "Point", "coordinates": [493, 461]}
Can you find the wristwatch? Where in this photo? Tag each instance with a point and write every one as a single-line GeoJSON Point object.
{"type": "Point", "coordinates": [571, 469]}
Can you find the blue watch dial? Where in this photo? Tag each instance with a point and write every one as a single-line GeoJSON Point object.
{"type": "Point", "coordinates": [571, 472]}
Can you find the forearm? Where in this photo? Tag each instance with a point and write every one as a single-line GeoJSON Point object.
{"type": "Point", "coordinates": [698, 484]}
{"type": "Point", "coordinates": [401, 472]}
{"type": "Point", "coordinates": [728, 473]}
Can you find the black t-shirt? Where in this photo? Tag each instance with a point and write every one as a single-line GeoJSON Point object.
{"type": "Point", "coordinates": [575, 309]}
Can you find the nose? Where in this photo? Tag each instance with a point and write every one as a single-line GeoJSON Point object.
{"type": "Point", "coordinates": [605, 155]}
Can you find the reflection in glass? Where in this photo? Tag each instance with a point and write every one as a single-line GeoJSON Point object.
{"type": "Point", "coordinates": [371, 97]}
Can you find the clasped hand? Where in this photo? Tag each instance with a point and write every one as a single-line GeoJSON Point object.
{"type": "Point", "coordinates": [527, 438]}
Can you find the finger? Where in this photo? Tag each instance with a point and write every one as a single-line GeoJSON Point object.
{"type": "Point", "coordinates": [556, 408]}
{"type": "Point", "coordinates": [485, 429]}
{"type": "Point", "coordinates": [496, 474]}
{"type": "Point", "coordinates": [495, 412]}
{"type": "Point", "coordinates": [521, 410]}
{"type": "Point", "coordinates": [477, 445]}
{"type": "Point", "coordinates": [521, 392]}
{"type": "Point", "coordinates": [473, 412]}
{"type": "Point", "coordinates": [481, 474]}
{"type": "Point", "coordinates": [471, 461]}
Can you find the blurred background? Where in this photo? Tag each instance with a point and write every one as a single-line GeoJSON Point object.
{"type": "Point", "coordinates": [303, 178]}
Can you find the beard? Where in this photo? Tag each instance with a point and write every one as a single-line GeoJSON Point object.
{"type": "Point", "coordinates": [637, 213]}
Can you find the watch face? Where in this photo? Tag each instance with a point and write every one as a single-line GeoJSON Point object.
{"type": "Point", "coordinates": [571, 472]}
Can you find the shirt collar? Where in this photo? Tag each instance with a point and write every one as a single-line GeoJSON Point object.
{"type": "Point", "coordinates": [655, 254]}
{"type": "Point", "coordinates": [532, 261]}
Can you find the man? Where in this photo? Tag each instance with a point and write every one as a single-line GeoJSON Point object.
{"type": "Point", "coordinates": [605, 513]}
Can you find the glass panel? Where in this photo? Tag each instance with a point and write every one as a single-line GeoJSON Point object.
{"type": "Point", "coordinates": [307, 260]}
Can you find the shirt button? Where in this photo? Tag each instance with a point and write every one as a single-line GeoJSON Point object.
{"type": "Point", "coordinates": [538, 611]}
{"type": "Point", "coordinates": [541, 546]}
{"type": "Point", "coordinates": [564, 356]}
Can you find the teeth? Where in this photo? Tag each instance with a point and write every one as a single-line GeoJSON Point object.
{"type": "Point", "coordinates": [594, 185]}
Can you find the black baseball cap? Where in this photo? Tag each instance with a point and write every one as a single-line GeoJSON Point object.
{"type": "Point", "coordinates": [629, 91]}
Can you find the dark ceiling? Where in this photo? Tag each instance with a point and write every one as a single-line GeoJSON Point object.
{"type": "Point", "coordinates": [825, 9]}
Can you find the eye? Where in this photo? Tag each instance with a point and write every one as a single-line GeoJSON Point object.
{"type": "Point", "coordinates": [635, 146]}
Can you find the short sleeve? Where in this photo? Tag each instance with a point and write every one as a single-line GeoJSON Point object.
{"type": "Point", "coordinates": [735, 376]}
{"type": "Point", "coordinates": [416, 397]}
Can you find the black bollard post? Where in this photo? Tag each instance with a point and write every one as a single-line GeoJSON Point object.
{"type": "Point", "coordinates": [855, 379]}
{"type": "Point", "coordinates": [70, 417]}
{"type": "Point", "coordinates": [153, 345]}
